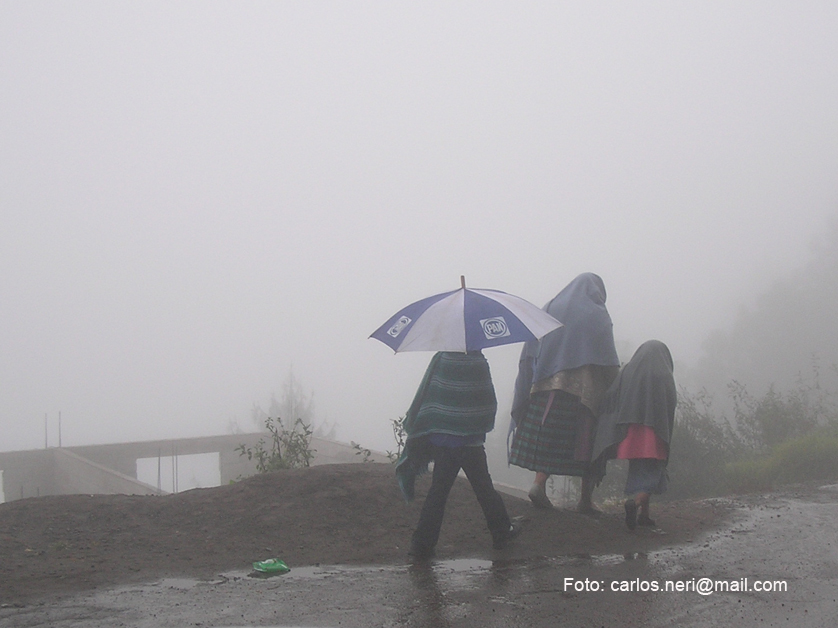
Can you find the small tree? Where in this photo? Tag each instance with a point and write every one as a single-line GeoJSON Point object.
{"type": "Point", "coordinates": [400, 436]}
{"type": "Point", "coordinates": [287, 449]}
{"type": "Point", "coordinates": [296, 403]}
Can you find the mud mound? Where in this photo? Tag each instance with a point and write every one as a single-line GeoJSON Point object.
{"type": "Point", "coordinates": [330, 514]}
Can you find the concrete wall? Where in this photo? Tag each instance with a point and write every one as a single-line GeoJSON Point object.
{"type": "Point", "coordinates": [74, 475]}
{"type": "Point", "coordinates": [112, 469]}
{"type": "Point", "coordinates": [27, 473]}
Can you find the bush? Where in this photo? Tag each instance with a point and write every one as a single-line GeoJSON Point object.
{"type": "Point", "coordinates": [775, 418]}
{"type": "Point", "coordinates": [288, 448]}
{"type": "Point", "coordinates": [702, 445]}
{"type": "Point", "coordinates": [400, 436]}
{"type": "Point", "coordinates": [810, 457]}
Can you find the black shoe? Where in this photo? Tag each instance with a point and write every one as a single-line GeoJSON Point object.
{"type": "Point", "coordinates": [631, 514]}
{"type": "Point", "coordinates": [503, 540]}
{"type": "Point", "coordinates": [643, 520]}
{"type": "Point", "coordinates": [538, 496]}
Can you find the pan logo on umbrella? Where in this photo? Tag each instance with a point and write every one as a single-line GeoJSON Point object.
{"type": "Point", "coordinates": [494, 327]}
{"type": "Point", "coordinates": [396, 329]}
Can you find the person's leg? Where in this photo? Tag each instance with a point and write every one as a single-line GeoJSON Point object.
{"type": "Point", "coordinates": [446, 468]}
{"type": "Point", "coordinates": [586, 502]}
{"type": "Point", "coordinates": [657, 485]}
{"type": "Point", "coordinates": [474, 464]}
{"type": "Point", "coordinates": [642, 501]}
{"type": "Point", "coordinates": [645, 476]}
{"type": "Point", "coordinates": [538, 491]}
{"type": "Point", "coordinates": [637, 511]}
{"type": "Point", "coordinates": [631, 513]}
{"type": "Point", "coordinates": [633, 481]}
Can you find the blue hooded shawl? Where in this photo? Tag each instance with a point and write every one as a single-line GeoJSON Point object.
{"type": "Point", "coordinates": [587, 337]}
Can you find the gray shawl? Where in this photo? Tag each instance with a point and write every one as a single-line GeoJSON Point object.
{"type": "Point", "coordinates": [643, 393]}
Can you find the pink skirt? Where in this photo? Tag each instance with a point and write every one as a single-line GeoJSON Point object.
{"type": "Point", "coordinates": [642, 442]}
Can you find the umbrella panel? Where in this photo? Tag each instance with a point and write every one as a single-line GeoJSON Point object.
{"type": "Point", "coordinates": [464, 320]}
{"type": "Point", "coordinates": [489, 323]}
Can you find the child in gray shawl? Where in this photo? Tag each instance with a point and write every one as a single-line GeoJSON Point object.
{"type": "Point", "coordinates": [635, 424]}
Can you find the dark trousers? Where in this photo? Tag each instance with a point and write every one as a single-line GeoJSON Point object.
{"type": "Point", "coordinates": [447, 464]}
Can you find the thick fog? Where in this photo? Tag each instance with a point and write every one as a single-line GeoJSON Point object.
{"type": "Point", "coordinates": [199, 198]}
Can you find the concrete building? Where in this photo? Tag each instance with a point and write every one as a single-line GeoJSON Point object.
{"type": "Point", "coordinates": [113, 469]}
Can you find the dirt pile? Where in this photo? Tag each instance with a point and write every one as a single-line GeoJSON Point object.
{"type": "Point", "coordinates": [331, 514]}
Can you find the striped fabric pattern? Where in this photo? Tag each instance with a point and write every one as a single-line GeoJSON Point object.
{"type": "Point", "coordinates": [458, 398]}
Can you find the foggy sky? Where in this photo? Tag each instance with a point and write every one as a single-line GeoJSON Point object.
{"type": "Point", "coordinates": [196, 197]}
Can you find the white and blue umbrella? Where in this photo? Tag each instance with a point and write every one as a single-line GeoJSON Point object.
{"type": "Point", "coordinates": [465, 320]}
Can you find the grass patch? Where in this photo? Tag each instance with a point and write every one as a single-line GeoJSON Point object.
{"type": "Point", "coordinates": [810, 457]}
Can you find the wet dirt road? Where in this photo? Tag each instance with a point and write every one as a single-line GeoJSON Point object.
{"type": "Point", "coordinates": [787, 547]}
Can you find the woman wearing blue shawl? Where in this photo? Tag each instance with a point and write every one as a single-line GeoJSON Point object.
{"type": "Point", "coordinates": [561, 381]}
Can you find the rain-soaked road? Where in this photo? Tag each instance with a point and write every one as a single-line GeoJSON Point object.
{"type": "Point", "coordinates": [786, 545]}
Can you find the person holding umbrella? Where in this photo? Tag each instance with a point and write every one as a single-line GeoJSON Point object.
{"type": "Point", "coordinates": [561, 381]}
{"type": "Point", "coordinates": [447, 422]}
{"type": "Point", "coordinates": [638, 414]}
{"type": "Point", "coordinates": [455, 405]}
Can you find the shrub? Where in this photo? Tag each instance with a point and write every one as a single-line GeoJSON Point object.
{"type": "Point", "coordinates": [773, 439]}
{"type": "Point", "coordinates": [287, 449]}
{"type": "Point", "coordinates": [702, 445]}
{"type": "Point", "coordinates": [810, 457]}
{"type": "Point", "coordinates": [400, 436]}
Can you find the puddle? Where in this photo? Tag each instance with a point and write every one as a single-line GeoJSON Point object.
{"type": "Point", "coordinates": [466, 574]}
{"type": "Point", "coordinates": [447, 569]}
{"type": "Point", "coordinates": [465, 564]}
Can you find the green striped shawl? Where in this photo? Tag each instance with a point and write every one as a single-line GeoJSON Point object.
{"type": "Point", "coordinates": [456, 396]}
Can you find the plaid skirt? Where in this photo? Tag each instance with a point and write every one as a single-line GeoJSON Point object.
{"type": "Point", "coordinates": [556, 436]}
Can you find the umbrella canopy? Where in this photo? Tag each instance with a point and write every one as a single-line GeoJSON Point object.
{"type": "Point", "coordinates": [465, 320]}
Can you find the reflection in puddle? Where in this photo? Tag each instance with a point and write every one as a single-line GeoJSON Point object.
{"type": "Point", "coordinates": [465, 564]}
{"type": "Point", "coordinates": [455, 574]}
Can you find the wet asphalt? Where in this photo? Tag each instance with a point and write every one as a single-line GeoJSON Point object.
{"type": "Point", "coordinates": [785, 547]}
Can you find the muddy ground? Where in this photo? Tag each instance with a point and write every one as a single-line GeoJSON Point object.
{"type": "Point", "coordinates": [349, 514]}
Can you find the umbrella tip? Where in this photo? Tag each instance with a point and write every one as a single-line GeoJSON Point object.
{"type": "Point", "coordinates": [463, 281]}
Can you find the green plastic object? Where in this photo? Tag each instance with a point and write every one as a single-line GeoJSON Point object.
{"type": "Point", "coordinates": [271, 565]}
